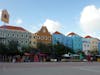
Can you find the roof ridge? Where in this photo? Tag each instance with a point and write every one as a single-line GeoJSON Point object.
{"type": "Point", "coordinates": [56, 32]}
{"type": "Point", "coordinates": [13, 27]}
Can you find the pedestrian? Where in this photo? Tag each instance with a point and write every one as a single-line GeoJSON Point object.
{"type": "Point", "coordinates": [81, 57]}
{"type": "Point", "coordinates": [14, 60]}
{"type": "Point", "coordinates": [89, 57]}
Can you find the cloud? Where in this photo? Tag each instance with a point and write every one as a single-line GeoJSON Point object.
{"type": "Point", "coordinates": [90, 19]}
{"type": "Point", "coordinates": [52, 25]}
{"type": "Point", "coordinates": [19, 21]}
{"type": "Point", "coordinates": [32, 28]}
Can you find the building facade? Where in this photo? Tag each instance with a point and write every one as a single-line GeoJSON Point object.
{"type": "Point", "coordinates": [68, 42]}
{"type": "Point", "coordinates": [33, 41]}
{"type": "Point", "coordinates": [18, 34]}
{"type": "Point", "coordinates": [93, 43]}
{"type": "Point", "coordinates": [43, 36]}
{"type": "Point", "coordinates": [85, 45]}
{"type": "Point", "coordinates": [99, 46]}
{"type": "Point", "coordinates": [58, 37]}
{"type": "Point", "coordinates": [76, 41]}
{"type": "Point", "coordinates": [90, 44]}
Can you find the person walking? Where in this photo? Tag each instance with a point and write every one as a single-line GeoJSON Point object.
{"type": "Point", "coordinates": [81, 57]}
{"type": "Point", "coordinates": [89, 57]}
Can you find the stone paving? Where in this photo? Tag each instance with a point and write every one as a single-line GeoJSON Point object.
{"type": "Point", "coordinates": [50, 68]}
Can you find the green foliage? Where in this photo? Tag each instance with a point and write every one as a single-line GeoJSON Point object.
{"type": "Point", "coordinates": [3, 49]}
{"type": "Point", "coordinates": [10, 49]}
{"type": "Point", "coordinates": [29, 49]}
{"type": "Point", "coordinates": [13, 47]}
{"type": "Point", "coordinates": [44, 48]}
{"type": "Point", "coordinates": [26, 49]}
{"type": "Point", "coordinates": [59, 49]}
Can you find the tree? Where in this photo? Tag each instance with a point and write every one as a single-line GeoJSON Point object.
{"type": "Point", "coordinates": [13, 48]}
{"type": "Point", "coordinates": [44, 48]}
{"type": "Point", "coordinates": [26, 49]}
{"type": "Point", "coordinates": [3, 49]}
{"type": "Point", "coordinates": [29, 49]}
{"type": "Point", "coordinates": [59, 49]}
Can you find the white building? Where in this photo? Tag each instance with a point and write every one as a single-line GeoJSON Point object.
{"type": "Point", "coordinates": [86, 45]}
{"type": "Point", "coordinates": [19, 34]}
{"type": "Point", "coordinates": [90, 44]}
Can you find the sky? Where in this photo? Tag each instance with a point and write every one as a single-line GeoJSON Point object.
{"type": "Point", "coordinates": [65, 16]}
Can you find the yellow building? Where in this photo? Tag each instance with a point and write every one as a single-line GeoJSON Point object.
{"type": "Point", "coordinates": [33, 41]}
{"type": "Point", "coordinates": [43, 36]}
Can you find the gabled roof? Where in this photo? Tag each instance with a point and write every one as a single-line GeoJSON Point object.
{"type": "Point", "coordinates": [88, 36]}
{"type": "Point", "coordinates": [12, 28]}
{"type": "Point", "coordinates": [56, 32]}
{"type": "Point", "coordinates": [43, 31]}
{"type": "Point", "coordinates": [72, 33]}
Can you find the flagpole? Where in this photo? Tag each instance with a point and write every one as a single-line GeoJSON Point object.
{"type": "Point", "coordinates": [4, 25]}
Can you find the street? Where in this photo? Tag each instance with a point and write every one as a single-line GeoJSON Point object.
{"type": "Point", "coordinates": [50, 68]}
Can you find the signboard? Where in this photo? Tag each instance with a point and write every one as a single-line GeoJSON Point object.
{"type": "Point", "coordinates": [5, 16]}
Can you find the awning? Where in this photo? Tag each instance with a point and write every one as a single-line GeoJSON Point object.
{"type": "Point", "coordinates": [66, 55]}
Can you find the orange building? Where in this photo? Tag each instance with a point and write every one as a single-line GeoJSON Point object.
{"type": "Point", "coordinates": [43, 36]}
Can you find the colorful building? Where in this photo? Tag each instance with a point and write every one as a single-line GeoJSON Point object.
{"type": "Point", "coordinates": [25, 38]}
{"type": "Point", "coordinates": [99, 46]}
{"type": "Point", "coordinates": [76, 41]}
{"type": "Point", "coordinates": [58, 37]}
{"type": "Point", "coordinates": [68, 42]}
{"type": "Point", "coordinates": [43, 36]}
{"type": "Point", "coordinates": [33, 41]}
{"type": "Point", "coordinates": [18, 34]}
{"type": "Point", "coordinates": [86, 45]}
{"type": "Point", "coordinates": [90, 44]}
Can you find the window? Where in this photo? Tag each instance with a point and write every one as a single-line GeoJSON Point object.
{"type": "Point", "coordinates": [8, 41]}
{"type": "Point", "coordinates": [87, 45]}
{"type": "Point", "coordinates": [49, 38]}
{"type": "Point", "coordinates": [34, 37]}
{"type": "Point", "coordinates": [12, 34]}
{"type": "Point", "coordinates": [21, 41]}
{"type": "Point", "coordinates": [17, 41]}
{"type": "Point", "coordinates": [38, 37]}
{"type": "Point", "coordinates": [22, 35]}
{"type": "Point", "coordinates": [84, 45]}
{"type": "Point", "coordinates": [33, 42]}
{"type": "Point", "coordinates": [42, 37]}
{"type": "Point", "coordinates": [8, 34]}
{"type": "Point", "coordinates": [26, 35]}
{"type": "Point", "coordinates": [30, 42]}
{"type": "Point", "coordinates": [46, 38]}
{"type": "Point", "coordinates": [29, 36]}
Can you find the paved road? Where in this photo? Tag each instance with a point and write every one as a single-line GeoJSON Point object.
{"type": "Point", "coordinates": [54, 68]}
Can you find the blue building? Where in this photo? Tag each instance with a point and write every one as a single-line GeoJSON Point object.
{"type": "Point", "coordinates": [76, 41]}
{"type": "Point", "coordinates": [68, 42]}
{"type": "Point", "coordinates": [99, 46]}
{"type": "Point", "coordinates": [58, 37]}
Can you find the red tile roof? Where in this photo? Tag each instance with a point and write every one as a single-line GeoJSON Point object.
{"type": "Point", "coordinates": [88, 36]}
{"type": "Point", "coordinates": [56, 32]}
{"type": "Point", "coordinates": [72, 33]}
{"type": "Point", "coordinates": [12, 28]}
